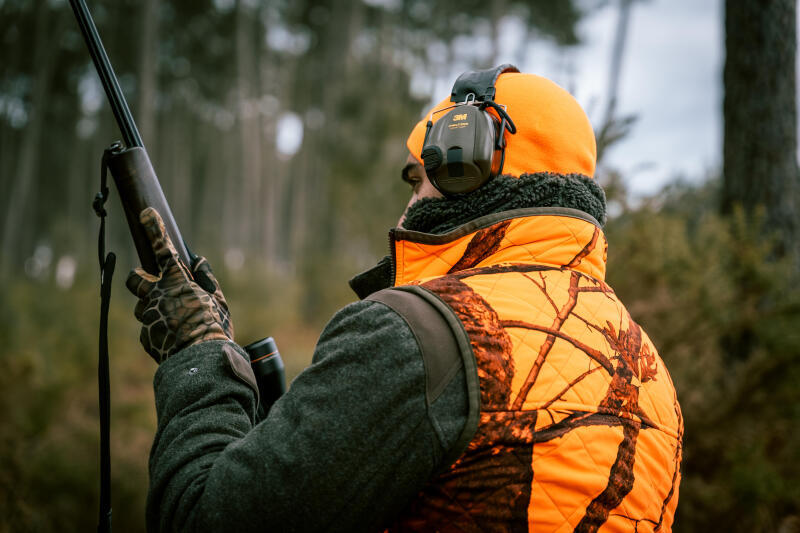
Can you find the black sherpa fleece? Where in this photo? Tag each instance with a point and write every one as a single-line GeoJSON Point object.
{"type": "Point", "coordinates": [542, 189]}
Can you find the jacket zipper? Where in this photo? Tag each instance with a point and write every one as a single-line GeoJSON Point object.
{"type": "Point", "coordinates": [393, 256]}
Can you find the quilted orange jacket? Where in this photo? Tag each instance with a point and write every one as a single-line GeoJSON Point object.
{"type": "Point", "coordinates": [579, 425]}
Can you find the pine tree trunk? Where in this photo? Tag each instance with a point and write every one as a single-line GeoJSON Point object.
{"type": "Point", "coordinates": [248, 123]}
{"type": "Point", "coordinates": [18, 222]}
{"type": "Point", "coordinates": [148, 73]}
{"type": "Point", "coordinates": [613, 127]}
{"type": "Point", "coordinates": [760, 112]}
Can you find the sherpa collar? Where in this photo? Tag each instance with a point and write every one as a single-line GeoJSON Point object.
{"type": "Point", "coordinates": [506, 193]}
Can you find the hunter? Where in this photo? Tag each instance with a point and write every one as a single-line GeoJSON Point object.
{"type": "Point", "coordinates": [488, 379]}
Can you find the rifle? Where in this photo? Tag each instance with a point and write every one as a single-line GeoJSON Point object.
{"type": "Point", "coordinates": [139, 188]}
{"type": "Point", "coordinates": [130, 166]}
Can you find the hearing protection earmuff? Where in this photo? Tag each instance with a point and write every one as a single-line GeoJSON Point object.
{"type": "Point", "coordinates": [466, 147]}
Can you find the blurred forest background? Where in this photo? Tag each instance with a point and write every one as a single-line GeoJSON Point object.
{"type": "Point", "coordinates": [277, 129]}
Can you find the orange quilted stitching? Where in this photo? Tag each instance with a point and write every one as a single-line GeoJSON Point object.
{"type": "Point", "coordinates": [580, 426]}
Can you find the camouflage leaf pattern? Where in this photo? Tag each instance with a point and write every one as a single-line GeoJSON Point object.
{"type": "Point", "coordinates": [579, 427]}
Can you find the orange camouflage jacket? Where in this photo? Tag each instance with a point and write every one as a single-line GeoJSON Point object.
{"type": "Point", "coordinates": [579, 425]}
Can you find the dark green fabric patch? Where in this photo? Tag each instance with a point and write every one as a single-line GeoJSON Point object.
{"type": "Point", "coordinates": [345, 449]}
{"type": "Point", "coordinates": [543, 189]}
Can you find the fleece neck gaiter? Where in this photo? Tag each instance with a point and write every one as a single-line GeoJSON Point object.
{"type": "Point", "coordinates": [504, 193]}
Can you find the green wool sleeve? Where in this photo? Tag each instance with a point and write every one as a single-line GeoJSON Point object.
{"type": "Point", "coordinates": [345, 449]}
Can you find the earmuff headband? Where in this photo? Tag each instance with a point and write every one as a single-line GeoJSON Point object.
{"type": "Point", "coordinates": [480, 83]}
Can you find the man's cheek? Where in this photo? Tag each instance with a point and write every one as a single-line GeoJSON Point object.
{"type": "Point", "coordinates": [405, 211]}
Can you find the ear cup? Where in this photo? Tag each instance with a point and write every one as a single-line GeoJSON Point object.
{"type": "Point", "coordinates": [460, 151]}
{"type": "Point", "coordinates": [432, 157]}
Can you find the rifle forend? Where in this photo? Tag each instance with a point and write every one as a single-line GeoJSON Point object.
{"type": "Point", "coordinates": [138, 189]}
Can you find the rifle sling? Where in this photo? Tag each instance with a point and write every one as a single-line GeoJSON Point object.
{"type": "Point", "coordinates": [107, 264]}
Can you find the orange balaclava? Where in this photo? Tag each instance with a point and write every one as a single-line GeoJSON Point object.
{"type": "Point", "coordinates": [553, 132]}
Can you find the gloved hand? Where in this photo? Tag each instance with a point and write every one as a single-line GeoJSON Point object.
{"type": "Point", "coordinates": [179, 307]}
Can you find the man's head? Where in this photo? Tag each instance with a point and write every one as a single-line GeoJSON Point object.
{"type": "Point", "coordinates": [554, 134]}
{"type": "Point", "coordinates": [421, 187]}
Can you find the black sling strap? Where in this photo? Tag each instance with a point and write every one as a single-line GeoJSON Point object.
{"type": "Point", "coordinates": [107, 263]}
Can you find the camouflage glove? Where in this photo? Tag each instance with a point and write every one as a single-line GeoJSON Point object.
{"type": "Point", "coordinates": [179, 307]}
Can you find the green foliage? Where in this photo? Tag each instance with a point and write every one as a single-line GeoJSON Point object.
{"type": "Point", "coordinates": [49, 431]}
{"type": "Point", "coordinates": [49, 439]}
{"type": "Point", "coordinates": [725, 319]}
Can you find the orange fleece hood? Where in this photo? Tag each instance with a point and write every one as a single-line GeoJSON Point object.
{"type": "Point", "coordinates": [553, 132]}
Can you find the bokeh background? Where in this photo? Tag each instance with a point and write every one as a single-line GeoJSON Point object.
{"type": "Point", "coordinates": [277, 130]}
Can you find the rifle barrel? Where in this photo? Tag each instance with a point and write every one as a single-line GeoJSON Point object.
{"type": "Point", "coordinates": [109, 80]}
